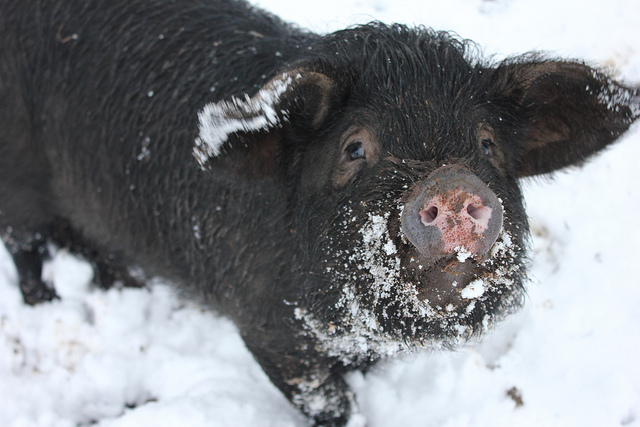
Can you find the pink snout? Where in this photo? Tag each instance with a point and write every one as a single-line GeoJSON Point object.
{"type": "Point", "coordinates": [452, 211]}
{"type": "Point", "coordinates": [460, 217]}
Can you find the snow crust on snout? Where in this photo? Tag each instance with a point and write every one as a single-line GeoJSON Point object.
{"type": "Point", "coordinates": [377, 258]}
{"type": "Point", "coordinates": [475, 289]}
{"type": "Point", "coordinates": [218, 120]}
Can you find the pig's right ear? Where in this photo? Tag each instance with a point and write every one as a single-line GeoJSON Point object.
{"type": "Point", "coordinates": [567, 111]}
{"type": "Point", "coordinates": [248, 130]}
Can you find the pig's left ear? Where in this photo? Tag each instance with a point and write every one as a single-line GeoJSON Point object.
{"type": "Point", "coordinates": [248, 127]}
{"type": "Point", "coordinates": [569, 111]}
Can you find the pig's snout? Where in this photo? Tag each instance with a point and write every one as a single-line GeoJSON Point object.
{"type": "Point", "coordinates": [452, 211]}
{"type": "Point", "coordinates": [461, 218]}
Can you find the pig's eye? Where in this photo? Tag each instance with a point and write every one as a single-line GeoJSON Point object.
{"type": "Point", "coordinates": [487, 146]}
{"type": "Point", "coordinates": [355, 150]}
{"type": "Point", "coordinates": [358, 150]}
{"type": "Point", "coordinates": [485, 135]}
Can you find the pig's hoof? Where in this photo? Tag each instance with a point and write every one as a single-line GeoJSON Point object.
{"type": "Point", "coordinates": [35, 291]}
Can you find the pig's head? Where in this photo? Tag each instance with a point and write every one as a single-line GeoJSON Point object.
{"type": "Point", "coordinates": [402, 155]}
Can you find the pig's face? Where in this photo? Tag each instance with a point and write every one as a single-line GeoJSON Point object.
{"type": "Point", "coordinates": [417, 220]}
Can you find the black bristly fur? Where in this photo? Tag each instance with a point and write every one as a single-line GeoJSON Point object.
{"type": "Point", "coordinates": [297, 242]}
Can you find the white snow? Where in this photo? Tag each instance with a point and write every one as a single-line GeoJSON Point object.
{"type": "Point", "coordinates": [571, 353]}
{"type": "Point", "coordinates": [463, 253]}
{"type": "Point", "coordinates": [475, 289]}
{"type": "Point", "coordinates": [219, 120]}
{"type": "Point", "coordinates": [615, 98]}
{"type": "Point", "coordinates": [144, 151]}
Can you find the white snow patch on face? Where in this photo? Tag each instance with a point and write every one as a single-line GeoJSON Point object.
{"type": "Point", "coordinates": [470, 307]}
{"type": "Point", "coordinates": [463, 253]}
{"type": "Point", "coordinates": [475, 289]}
{"type": "Point", "coordinates": [502, 245]}
{"type": "Point", "coordinates": [374, 229]}
{"type": "Point", "coordinates": [376, 260]}
{"type": "Point", "coordinates": [220, 119]}
{"type": "Point", "coordinates": [358, 341]}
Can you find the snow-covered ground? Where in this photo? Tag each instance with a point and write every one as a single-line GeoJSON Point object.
{"type": "Point", "coordinates": [570, 358]}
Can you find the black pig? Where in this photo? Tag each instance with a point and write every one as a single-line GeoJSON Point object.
{"type": "Point", "coordinates": [340, 197]}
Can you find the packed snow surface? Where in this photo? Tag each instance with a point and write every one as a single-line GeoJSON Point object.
{"type": "Point", "coordinates": [137, 357]}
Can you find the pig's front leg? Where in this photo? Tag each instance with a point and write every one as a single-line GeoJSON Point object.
{"type": "Point", "coordinates": [314, 383]}
{"type": "Point", "coordinates": [28, 250]}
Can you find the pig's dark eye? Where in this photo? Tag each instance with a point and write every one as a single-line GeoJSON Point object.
{"type": "Point", "coordinates": [358, 150]}
{"type": "Point", "coordinates": [485, 135]}
{"type": "Point", "coordinates": [487, 146]}
{"type": "Point", "coordinates": [355, 150]}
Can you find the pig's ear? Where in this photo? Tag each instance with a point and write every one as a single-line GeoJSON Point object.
{"type": "Point", "coordinates": [569, 111]}
{"type": "Point", "coordinates": [250, 127]}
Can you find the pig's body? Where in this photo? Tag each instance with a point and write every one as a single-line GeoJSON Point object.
{"type": "Point", "coordinates": [106, 164]}
{"type": "Point", "coordinates": [341, 198]}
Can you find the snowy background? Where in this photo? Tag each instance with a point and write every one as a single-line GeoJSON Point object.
{"type": "Point", "coordinates": [571, 357]}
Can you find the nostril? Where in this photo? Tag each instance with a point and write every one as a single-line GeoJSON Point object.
{"type": "Point", "coordinates": [429, 214]}
{"type": "Point", "coordinates": [479, 212]}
